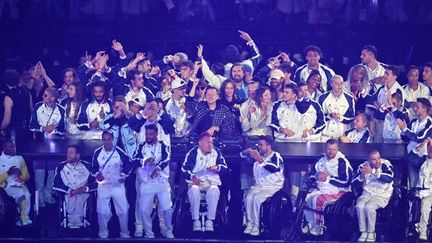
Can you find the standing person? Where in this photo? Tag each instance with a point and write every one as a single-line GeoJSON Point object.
{"type": "Point", "coordinates": [313, 56]}
{"type": "Point", "coordinates": [72, 103]}
{"type": "Point", "coordinates": [414, 89]}
{"type": "Point", "coordinates": [375, 69]}
{"type": "Point", "coordinates": [269, 178]}
{"type": "Point", "coordinates": [152, 159]}
{"type": "Point", "coordinates": [47, 122]}
{"type": "Point", "coordinates": [425, 182]}
{"type": "Point", "coordinates": [258, 118]}
{"type": "Point", "coordinates": [73, 178]}
{"type": "Point", "coordinates": [111, 166]}
{"type": "Point", "coordinates": [427, 74]}
{"type": "Point", "coordinates": [13, 178]}
{"type": "Point", "coordinates": [375, 177]}
{"type": "Point", "coordinates": [202, 168]}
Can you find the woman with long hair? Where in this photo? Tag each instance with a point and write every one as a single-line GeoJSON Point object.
{"type": "Point", "coordinates": [258, 118]}
{"type": "Point", "coordinates": [357, 85]}
{"type": "Point", "coordinates": [230, 99]}
{"type": "Point", "coordinates": [72, 103]}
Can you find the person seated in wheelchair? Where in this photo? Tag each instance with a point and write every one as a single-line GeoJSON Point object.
{"type": "Point", "coordinates": [375, 177]}
{"type": "Point", "coordinates": [425, 194]}
{"type": "Point", "coordinates": [73, 178]}
{"type": "Point", "coordinates": [332, 173]}
{"type": "Point", "coordinates": [13, 178]}
{"type": "Point", "coordinates": [269, 178]}
{"type": "Point", "coordinates": [152, 159]}
{"type": "Point", "coordinates": [201, 169]}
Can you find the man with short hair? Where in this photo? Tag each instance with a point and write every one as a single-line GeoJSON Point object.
{"type": "Point", "coordinates": [338, 108]}
{"type": "Point", "coordinates": [201, 169]}
{"type": "Point", "coordinates": [175, 107]}
{"type": "Point", "coordinates": [137, 88]}
{"type": "Point", "coordinates": [427, 74]}
{"type": "Point", "coordinates": [73, 178]}
{"type": "Point", "coordinates": [313, 55]}
{"type": "Point", "coordinates": [111, 166]}
{"type": "Point", "coordinates": [414, 89]}
{"type": "Point", "coordinates": [374, 68]}
{"type": "Point", "coordinates": [332, 173]}
{"type": "Point", "coordinates": [375, 177]}
{"type": "Point", "coordinates": [13, 178]}
{"type": "Point", "coordinates": [268, 171]}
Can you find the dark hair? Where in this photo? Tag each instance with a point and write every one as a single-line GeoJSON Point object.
{"type": "Point", "coordinates": [286, 68]}
{"type": "Point", "coordinates": [372, 49]}
{"type": "Point", "coordinates": [6, 141]}
{"type": "Point", "coordinates": [394, 69]}
{"type": "Point", "coordinates": [412, 67]}
{"type": "Point", "coordinates": [314, 72]}
{"type": "Point", "coordinates": [332, 141]}
{"type": "Point", "coordinates": [312, 48]}
{"type": "Point", "coordinates": [301, 84]}
{"type": "Point", "coordinates": [204, 135]}
{"type": "Point", "coordinates": [102, 85]}
{"type": "Point", "coordinates": [76, 147]}
{"type": "Point", "coordinates": [428, 64]}
{"type": "Point", "coordinates": [11, 77]}
{"type": "Point", "coordinates": [231, 54]}
{"type": "Point", "coordinates": [259, 93]}
{"type": "Point", "coordinates": [218, 68]}
{"type": "Point", "coordinates": [119, 98]}
{"type": "Point", "coordinates": [291, 86]}
{"type": "Point", "coordinates": [236, 65]}
{"type": "Point", "coordinates": [186, 63]}
{"type": "Point", "coordinates": [74, 73]}
{"type": "Point", "coordinates": [107, 132]}
{"type": "Point", "coordinates": [268, 139]}
{"type": "Point", "coordinates": [213, 88]}
{"type": "Point", "coordinates": [130, 75]}
{"type": "Point", "coordinates": [151, 127]}
{"type": "Point", "coordinates": [374, 152]}
{"type": "Point", "coordinates": [223, 86]}
{"type": "Point", "coordinates": [425, 103]}
{"type": "Point", "coordinates": [79, 98]}
{"type": "Point", "coordinates": [397, 96]}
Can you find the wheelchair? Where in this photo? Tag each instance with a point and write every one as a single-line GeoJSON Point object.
{"type": "Point", "coordinates": [88, 221]}
{"type": "Point", "coordinates": [412, 234]}
{"type": "Point", "coordinates": [275, 213]}
{"type": "Point", "coordinates": [8, 211]}
{"type": "Point", "coordinates": [342, 216]}
{"type": "Point", "coordinates": [182, 217]}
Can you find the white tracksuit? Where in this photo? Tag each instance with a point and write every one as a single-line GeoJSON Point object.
{"type": "Point", "coordinates": [269, 179]}
{"type": "Point", "coordinates": [154, 187]}
{"type": "Point", "coordinates": [181, 125]}
{"type": "Point", "coordinates": [286, 116]}
{"type": "Point", "coordinates": [113, 165]}
{"type": "Point", "coordinates": [196, 164]}
{"type": "Point", "coordinates": [377, 190]}
{"type": "Point", "coordinates": [14, 186]}
{"type": "Point", "coordinates": [358, 135]}
{"type": "Point", "coordinates": [344, 106]}
{"type": "Point", "coordinates": [89, 111]}
{"type": "Point", "coordinates": [69, 177]}
{"type": "Point", "coordinates": [340, 173]}
{"type": "Point", "coordinates": [425, 181]}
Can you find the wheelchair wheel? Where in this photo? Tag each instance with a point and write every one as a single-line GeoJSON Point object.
{"type": "Point", "coordinates": [340, 218]}
{"type": "Point", "coordinates": [280, 213]}
{"type": "Point", "coordinates": [398, 212]}
{"type": "Point", "coordinates": [182, 222]}
{"type": "Point", "coordinates": [8, 211]}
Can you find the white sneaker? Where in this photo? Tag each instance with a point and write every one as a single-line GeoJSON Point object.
{"type": "Point", "coordinates": [197, 225]}
{"type": "Point", "coordinates": [255, 231]}
{"type": "Point", "coordinates": [371, 237]}
{"type": "Point", "coordinates": [307, 228]}
{"type": "Point", "coordinates": [103, 235]}
{"type": "Point", "coordinates": [209, 225]}
{"type": "Point", "coordinates": [73, 225]}
{"type": "Point", "coordinates": [138, 230]}
{"type": "Point", "coordinates": [316, 230]}
{"type": "Point", "coordinates": [423, 236]}
{"type": "Point", "coordinates": [363, 236]}
{"type": "Point", "coordinates": [124, 235]}
{"type": "Point", "coordinates": [248, 228]}
{"type": "Point", "coordinates": [168, 234]}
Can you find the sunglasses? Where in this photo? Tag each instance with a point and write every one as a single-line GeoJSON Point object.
{"type": "Point", "coordinates": [202, 88]}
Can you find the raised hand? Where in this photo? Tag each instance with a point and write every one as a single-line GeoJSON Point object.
{"type": "Point", "coordinates": [116, 45]}
{"type": "Point", "coordinates": [200, 48]}
{"type": "Point", "coordinates": [140, 56]}
{"type": "Point", "coordinates": [245, 36]}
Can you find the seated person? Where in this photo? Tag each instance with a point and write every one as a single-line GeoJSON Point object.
{"type": "Point", "coordinates": [13, 178]}
{"type": "Point", "coordinates": [201, 169]}
{"type": "Point", "coordinates": [333, 173]}
{"type": "Point", "coordinates": [269, 178]}
{"type": "Point", "coordinates": [360, 133]}
{"type": "Point", "coordinates": [73, 177]}
{"type": "Point", "coordinates": [375, 176]}
{"type": "Point", "coordinates": [152, 159]}
{"type": "Point", "coordinates": [425, 182]}
{"type": "Point", "coordinates": [391, 131]}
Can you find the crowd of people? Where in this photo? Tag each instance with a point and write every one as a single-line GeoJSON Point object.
{"type": "Point", "coordinates": [135, 106]}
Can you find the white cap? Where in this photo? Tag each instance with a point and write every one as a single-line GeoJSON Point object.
{"type": "Point", "coordinates": [138, 101]}
{"type": "Point", "coordinates": [178, 83]}
{"type": "Point", "coordinates": [277, 74]}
